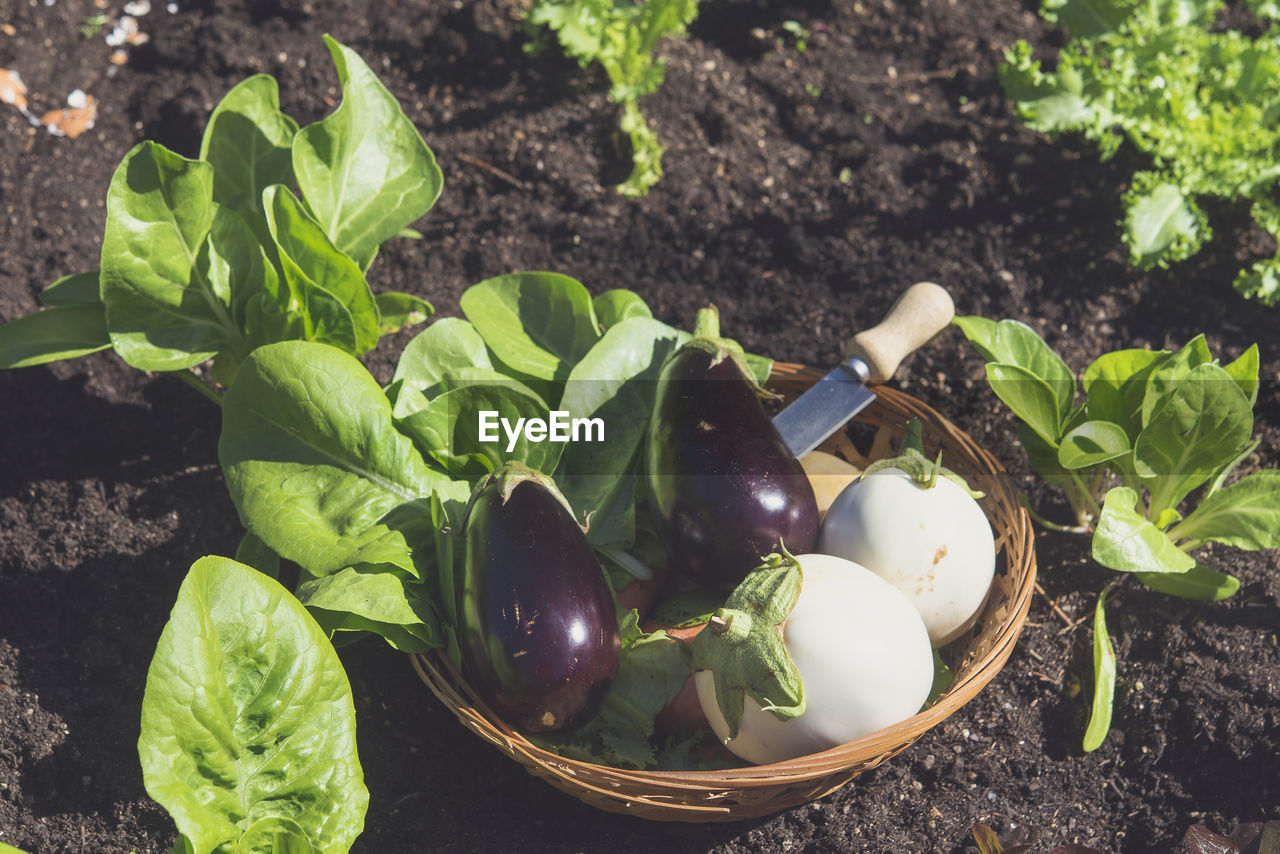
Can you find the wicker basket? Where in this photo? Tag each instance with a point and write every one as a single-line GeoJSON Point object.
{"type": "Point", "coordinates": [741, 793]}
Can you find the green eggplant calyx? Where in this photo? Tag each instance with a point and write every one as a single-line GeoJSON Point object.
{"type": "Point", "coordinates": [707, 323]}
{"type": "Point", "coordinates": [911, 460]}
{"type": "Point", "coordinates": [510, 475]}
{"type": "Point", "coordinates": [743, 646]}
{"type": "Point", "coordinates": [706, 337]}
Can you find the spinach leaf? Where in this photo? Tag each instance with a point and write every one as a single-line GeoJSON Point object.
{"type": "Point", "coordinates": [1244, 371]}
{"type": "Point", "coordinates": [1029, 396]}
{"type": "Point", "coordinates": [316, 466]}
{"type": "Point", "coordinates": [1199, 428]}
{"type": "Point", "coordinates": [613, 307]}
{"type": "Point", "coordinates": [328, 291]}
{"type": "Point", "coordinates": [238, 270]}
{"type": "Point", "coordinates": [77, 289]}
{"type": "Point", "coordinates": [1169, 374]}
{"type": "Point", "coordinates": [1018, 344]}
{"type": "Point", "coordinates": [248, 718]}
{"type": "Point", "coordinates": [443, 347]}
{"type": "Point", "coordinates": [163, 314]}
{"type": "Point", "coordinates": [1092, 443]}
{"type": "Point", "coordinates": [466, 376]}
{"type": "Point", "coordinates": [398, 311]}
{"type": "Point", "coordinates": [1115, 386]}
{"type": "Point", "coordinates": [364, 170]}
{"type": "Point", "coordinates": [1199, 582]}
{"type": "Point", "coordinates": [1128, 541]}
{"type": "Point", "coordinates": [64, 332]}
{"type": "Point", "coordinates": [378, 599]}
{"type": "Point", "coordinates": [1245, 515]}
{"type": "Point", "coordinates": [1025, 373]}
{"type": "Point", "coordinates": [249, 142]}
{"type": "Point", "coordinates": [1104, 677]}
{"type": "Point", "coordinates": [538, 324]}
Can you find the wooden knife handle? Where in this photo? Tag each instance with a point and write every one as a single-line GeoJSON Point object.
{"type": "Point", "coordinates": [923, 310]}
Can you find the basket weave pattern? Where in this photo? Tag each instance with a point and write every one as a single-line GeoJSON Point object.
{"type": "Point", "coordinates": [741, 793]}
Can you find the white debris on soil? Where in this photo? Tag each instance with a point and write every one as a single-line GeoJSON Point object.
{"type": "Point", "coordinates": [82, 109]}
{"type": "Point", "coordinates": [126, 31]}
{"type": "Point", "coordinates": [78, 117]}
{"type": "Point", "coordinates": [12, 89]}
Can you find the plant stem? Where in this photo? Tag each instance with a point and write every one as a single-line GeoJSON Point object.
{"type": "Point", "coordinates": [192, 380]}
{"type": "Point", "coordinates": [1052, 526]}
{"type": "Point", "coordinates": [629, 562]}
{"type": "Point", "coordinates": [1090, 502]}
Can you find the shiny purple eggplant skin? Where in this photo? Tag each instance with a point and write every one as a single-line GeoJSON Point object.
{"type": "Point", "coordinates": [724, 487]}
{"type": "Point", "coordinates": [537, 624]}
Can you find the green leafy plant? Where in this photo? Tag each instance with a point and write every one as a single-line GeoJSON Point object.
{"type": "Point", "coordinates": [91, 25]}
{"type": "Point", "coordinates": [800, 33]}
{"type": "Point", "coordinates": [248, 724]}
{"type": "Point", "coordinates": [210, 258]}
{"type": "Point", "coordinates": [621, 35]}
{"type": "Point", "coordinates": [260, 245]}
{"type": "Point", "coordinates": [1202, 103]}
{"type": "Point", "coordinates": [1144, 459]}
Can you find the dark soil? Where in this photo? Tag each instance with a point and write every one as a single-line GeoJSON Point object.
{"type": "Point", "coordinates": [803, 190]}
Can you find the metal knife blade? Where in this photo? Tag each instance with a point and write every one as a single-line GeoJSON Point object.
{"type": "Point", "coordinates": [921, 312]}
{"type": "Point", "coordinates": [825, 407]}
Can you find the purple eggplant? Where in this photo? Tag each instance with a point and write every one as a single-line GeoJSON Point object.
{"type": "Point", "coordinates": [537, 624]}
{"type": "Point", "coordinates": [724, 488]}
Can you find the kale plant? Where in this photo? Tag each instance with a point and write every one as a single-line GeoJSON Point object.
{"type": "Point", "coordinates": [1201, 102]}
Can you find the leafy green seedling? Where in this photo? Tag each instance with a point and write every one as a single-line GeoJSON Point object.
{"type": "Point", "coordinates": [621, 35]}
{"type": "Point", "coordinates": [799, 33]}
{"type": "Point", "coordinates": [1144, 459]}
{"type": "Point", "coordinates": [210, 258]}
{"type": "Point", "coordinates": [91, 25]}
{"type": "Point", "coordinates": [1198, 101]}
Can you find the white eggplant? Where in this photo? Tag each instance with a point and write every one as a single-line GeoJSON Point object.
{"type": "Point", "coordinates": [808, 653]}
{"type": "Point", "coordinates": [917, 526]}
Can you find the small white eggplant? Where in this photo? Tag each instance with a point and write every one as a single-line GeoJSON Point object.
{"type": "Point", "coordinates": [919, 527]}
{"type": "Point", "coordinates": [808, 653]}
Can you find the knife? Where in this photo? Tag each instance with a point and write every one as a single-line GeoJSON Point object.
{"type": "Point", "coordinates": [921, 312]}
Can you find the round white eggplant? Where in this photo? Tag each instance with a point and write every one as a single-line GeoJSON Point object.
{"type": "Point", "coordinates": [926, 536]}
{"type": "Point", "coordinates": [810, 652]}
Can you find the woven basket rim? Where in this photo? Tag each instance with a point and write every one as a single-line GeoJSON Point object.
{"type": "Point", "coordinates": [593, 782]}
